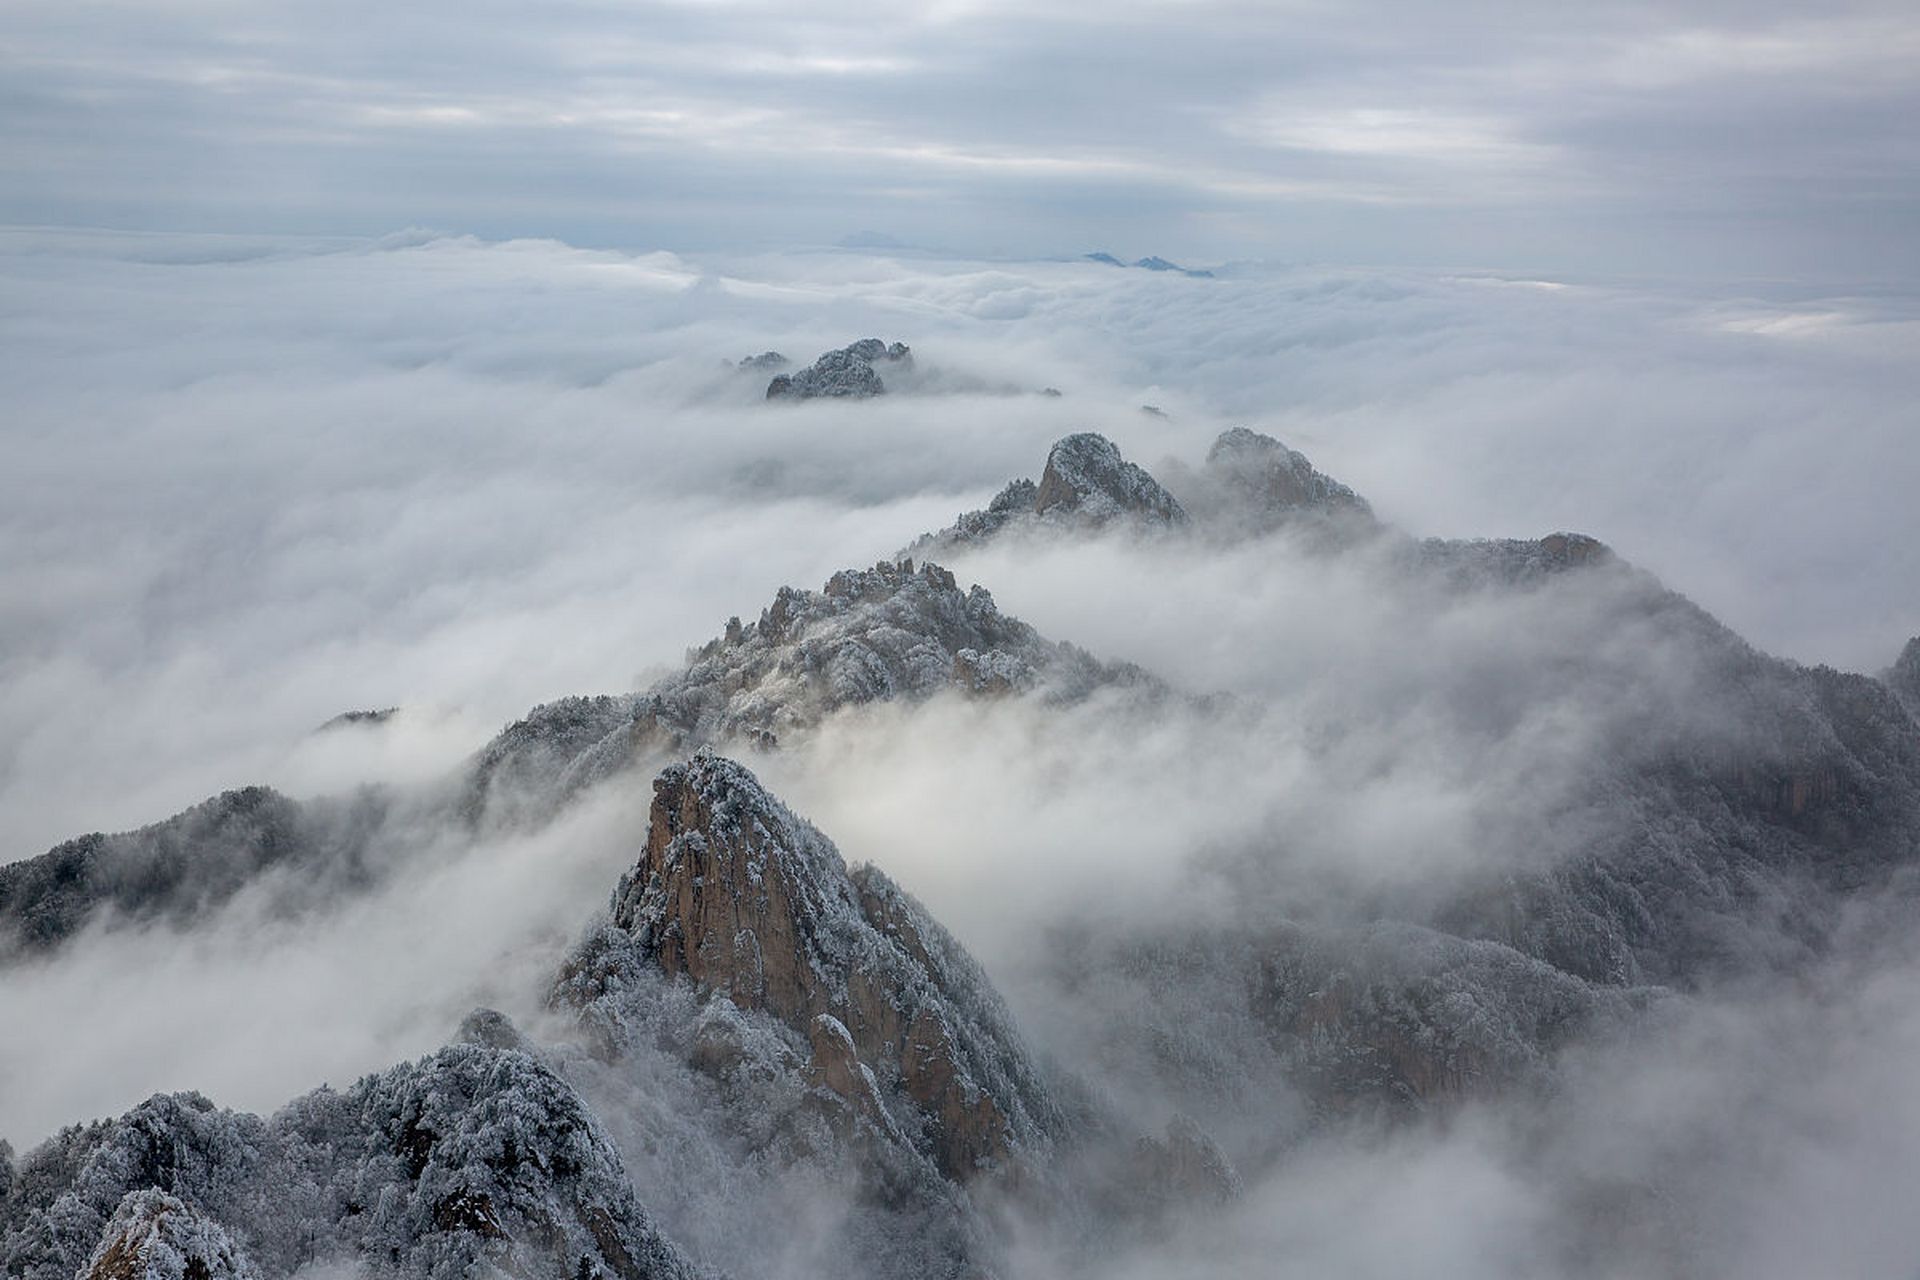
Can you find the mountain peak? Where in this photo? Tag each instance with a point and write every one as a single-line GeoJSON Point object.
{"type": "Point", "coordinates": [1086, 484]}
{"type": "Point", "coordinates": [1086, 477]}
{"type": "Point", "coordinates": [1152, 262]}
{"type": "Point", "coordinates": [846, 373]}
{"type": "Point", "coordinates": [895, 632]}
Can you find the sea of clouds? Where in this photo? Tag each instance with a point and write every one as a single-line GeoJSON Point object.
{"type": "Point", "coordinates": [255, 483]}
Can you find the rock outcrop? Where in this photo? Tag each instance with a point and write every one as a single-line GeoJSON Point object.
{"type": "Point", "coordinates": [753, 904]}
{"type": "Point", "coordinates": [1088, 483]}
{"type": "Point", "coordinates": [852, 372]}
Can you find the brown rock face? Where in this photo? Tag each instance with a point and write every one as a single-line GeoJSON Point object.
{"type": "Point", "coordinates": [738, 895]}
{"type": "Point", "coordinates": [154, 1236]}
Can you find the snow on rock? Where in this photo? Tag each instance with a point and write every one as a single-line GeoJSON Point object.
{"type": "Point", "coordinates": [750, 902]}
{"type": "Point", "coordinates": [1250, 486]}
{"type": "Point", "coordinates": [154, 1236]}
{"type": "Point", "coordinates": [1087, 479]}
{"type": "Point", "coordinates": [472, 1160]}
{"type": "Point", "coordinates": [1904, 676]}
{"type": "Point", "coordinates": [848, 373]}
{"type": "Point", "coordinates": [892, 632]}
{"type": "Point", "coordinates": [188, 865]}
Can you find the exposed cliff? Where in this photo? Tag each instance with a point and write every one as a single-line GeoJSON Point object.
{"type": "Point", "coordinates": [751, 903]}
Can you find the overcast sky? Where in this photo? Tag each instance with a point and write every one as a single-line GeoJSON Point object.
{"type": "Point", "coordinates": [1752, 140]}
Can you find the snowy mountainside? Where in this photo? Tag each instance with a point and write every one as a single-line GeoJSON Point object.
{"type": "Point", "coordinates": [757, 1021]}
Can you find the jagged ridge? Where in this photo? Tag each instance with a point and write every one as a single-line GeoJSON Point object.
{"type": "Point", "coordinates": [892, 632]}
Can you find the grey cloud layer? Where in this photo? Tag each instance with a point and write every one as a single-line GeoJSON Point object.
{"type": "Point", "coordinates": [1704, 138]}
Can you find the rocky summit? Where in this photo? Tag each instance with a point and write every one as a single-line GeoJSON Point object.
{"type": "Point", "coordinates": [895, 632]}
{"type": "Point", "coordinates": [850, 373]}
{"type": "Point", "coordinates": [1086, 484]}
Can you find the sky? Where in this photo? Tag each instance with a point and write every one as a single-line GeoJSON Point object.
{"type": "Point", "coordinates": [1704, 139]}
